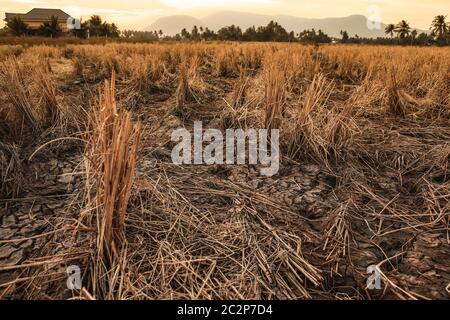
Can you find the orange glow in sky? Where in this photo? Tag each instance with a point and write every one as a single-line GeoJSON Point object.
{"type": "Point", "coordinates": [137, 14]}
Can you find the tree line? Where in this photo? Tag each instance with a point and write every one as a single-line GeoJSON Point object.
{"type": "Point", "coordinates": [400, 33]}
{"type": "Point", "coordinates": [271, 32]}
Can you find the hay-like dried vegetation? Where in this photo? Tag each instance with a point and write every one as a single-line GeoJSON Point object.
{"type": "Point", "coordinates": [364, 177]}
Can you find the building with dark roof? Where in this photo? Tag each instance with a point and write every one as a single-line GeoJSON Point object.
{"type": "Point", "coordinates": [37, 16]}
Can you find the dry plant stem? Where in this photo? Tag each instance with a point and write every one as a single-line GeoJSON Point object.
{"type": "Point", "coordinates": [113, 152]}
{"type": "Point", "coordinates": [304, 131]}
{"type": "Point", "coordinates": [13, 82]}
{"type": "Point", "coordinates": [275, 97]}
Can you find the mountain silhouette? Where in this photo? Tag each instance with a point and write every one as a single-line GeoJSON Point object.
{"type": "Point", "coordinates": [172, 25]}
{"type": "Point", "coordinates": [354, 24]}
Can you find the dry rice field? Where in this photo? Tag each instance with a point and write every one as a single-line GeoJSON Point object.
{"type": "Point", "coordinates": [86, 176]}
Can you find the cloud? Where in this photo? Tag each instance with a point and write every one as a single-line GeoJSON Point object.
{"type": "Point", "coordinates": [30, 1]}
{"type": "Point", "coordinates": [191, 4]}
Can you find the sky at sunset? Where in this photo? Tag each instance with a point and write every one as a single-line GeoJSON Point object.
{"type": "Point", "coordinates": [136, 14]}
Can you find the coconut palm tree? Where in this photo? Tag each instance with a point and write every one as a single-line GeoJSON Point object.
{"type": "Point", "coordinates": [402, 29]}
{"type": "Point", "coordinates": [390, 28]}
{"type": "Point", "coordinates": [439, 26]}
{"type": "Point", "coordinates": [345, 36]}
{"type": "Point", "coordinates": [413, 36]}
{"type": "Point", "coordinates": [96, 27]}
{"type": "Point", "coordinates": [51, 28]}
{"type": "Point", "coordinates": [16, 26]}
{"type": "Point", "coordinates": [185, 34]}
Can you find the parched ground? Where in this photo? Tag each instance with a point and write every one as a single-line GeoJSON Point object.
{"type": "Point", "coordinates": [222, 231]}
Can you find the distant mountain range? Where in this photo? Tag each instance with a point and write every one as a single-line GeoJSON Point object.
{"type": "Point", "coordinates": [354, 24]}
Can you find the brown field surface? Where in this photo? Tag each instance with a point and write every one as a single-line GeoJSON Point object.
{"type": "Point", "coordinates": [86, 176]}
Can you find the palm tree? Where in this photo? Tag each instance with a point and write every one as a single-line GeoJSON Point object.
{"type": "Point", "coordinates": [114, 30]}
{"type": "Point", "coordinates": [194, 33]}
{"type": "Point", "coordinates": [402, 29]}
{"type": "Point", "coordinates": [185, 34]}
{"type": "Point", "coordinates": [413, 36]}
{"type": "Point", "coordinates": [96, 26]}
{"type": "Point", "coordinates": [439, 27]}
{"type": "Point", "coordinates": [108, 30]}
{"type": "Point", "coordinates": [16, 26]}
{"type": "Point", "coordinates": [50, 28]}
{"type": "Point", "coordinates": [345, 36]}
{"type": "Point", "coordinates": [390, 28]}
{"type": "Point", "coordinates": [104, 29]}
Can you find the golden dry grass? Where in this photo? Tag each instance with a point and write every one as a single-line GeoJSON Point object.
{"type": "Point", "coordinates": [365, 142]}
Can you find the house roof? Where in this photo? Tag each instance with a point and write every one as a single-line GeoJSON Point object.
{"type": "Point", "coordinates": [39, 14]}
{"type": "Point", "coordinates": [9, 15]}
{"type": "Point", "coordinates": [42, 14]}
